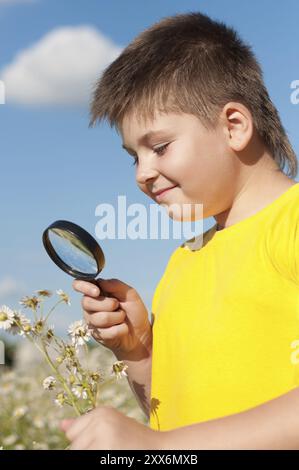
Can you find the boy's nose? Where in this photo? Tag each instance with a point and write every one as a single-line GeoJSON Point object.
{"type": "Point", "coordinates": [145, 174]}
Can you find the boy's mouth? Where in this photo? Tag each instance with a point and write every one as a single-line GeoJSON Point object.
{"type": "Point", "coordinates": [160, 194]}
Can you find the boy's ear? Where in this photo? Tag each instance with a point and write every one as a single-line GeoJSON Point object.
{"type": "Point", "coordinates": [238, 125]}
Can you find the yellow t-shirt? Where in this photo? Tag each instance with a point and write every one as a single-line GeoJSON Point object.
{"type": "Point", "coordinates": [226, 319]}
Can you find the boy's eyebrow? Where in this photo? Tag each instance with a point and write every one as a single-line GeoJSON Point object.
{"type": "Point", "coordinates": [146, 137]}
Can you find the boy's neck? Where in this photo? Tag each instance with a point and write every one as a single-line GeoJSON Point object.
{"type": "Point", "coordinates": [260, 187]}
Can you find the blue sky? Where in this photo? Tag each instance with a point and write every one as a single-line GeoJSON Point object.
{"type": "Point", "coordinates": [54, 167]}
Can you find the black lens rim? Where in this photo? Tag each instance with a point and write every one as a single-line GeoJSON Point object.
{"type": "Point", "coordinates": [88, 240]}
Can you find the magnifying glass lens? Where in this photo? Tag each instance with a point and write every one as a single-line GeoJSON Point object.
{"type": "Point", "coordinates": [72, 251]}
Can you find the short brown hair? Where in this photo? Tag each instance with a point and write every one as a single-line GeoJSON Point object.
{"type": "Point", "coordinates": [193, 64]}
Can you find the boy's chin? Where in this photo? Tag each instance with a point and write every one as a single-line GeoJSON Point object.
{"type": "Point", "coordinates": [179, 215]}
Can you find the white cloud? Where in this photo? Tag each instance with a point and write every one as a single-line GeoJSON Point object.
{"type": "Point", "coordinates": [10, 287]}
{"type": "Point", "coordinates": [60, 69]}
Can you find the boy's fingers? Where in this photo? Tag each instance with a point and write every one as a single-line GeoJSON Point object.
{"type": "Point", "coordinates": [77, 426]}
{"type": "Point", "coordinates": [65, 424]}
{"type": "Point", "coordinates": [105, 319]}
{"type": "Point", "coordinates": [116, 288]}
{"type": "Point", "coordinates": [87, 288]}
{"type": "Point", "coordinates": [101, 304]}
{"type": "Point", "coordinates": [111, 333]}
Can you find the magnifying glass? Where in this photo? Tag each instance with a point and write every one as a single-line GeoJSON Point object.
{"type": "Point", "coordinates": [74, 250]}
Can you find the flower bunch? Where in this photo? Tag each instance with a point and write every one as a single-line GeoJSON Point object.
{"type": "Point", "coordinates": [71, 382]}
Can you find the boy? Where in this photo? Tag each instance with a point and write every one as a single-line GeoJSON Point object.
{"type": "Point", "coordinates": [214, 370]}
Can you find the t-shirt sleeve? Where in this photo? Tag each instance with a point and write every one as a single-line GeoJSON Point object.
{"type": "Point", "coordinates": [282, 244]}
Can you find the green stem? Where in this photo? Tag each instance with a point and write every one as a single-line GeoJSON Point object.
{"type": "Point", "coordinates": [91, 397]}
{"type": "Point", "coordinates": [61, 379]}
{"type": "Point", "coordinates": [50, 311]}
{"type": "Point", "coordinates": [44, 352]}
{"type": "Point", "coordinates": [41, 310]}
{"type": "Point", "coordinates": [85, 383]}
{"type": "Point", "coordinates": [35, 315]}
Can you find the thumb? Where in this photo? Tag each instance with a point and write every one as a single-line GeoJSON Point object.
{"type": "Point", "coordinates": [118, 289]}
{"type": "Point", "coordinates": [65, 424]}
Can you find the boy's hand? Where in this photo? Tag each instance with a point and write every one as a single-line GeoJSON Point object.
{"type": "Point", "coordinates": [107, 428]}
{"type": "Point", "coordinates": [119, 322]}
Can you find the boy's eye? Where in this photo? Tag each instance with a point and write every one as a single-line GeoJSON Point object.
{"type": "Point", "coordinates": [158, 150]}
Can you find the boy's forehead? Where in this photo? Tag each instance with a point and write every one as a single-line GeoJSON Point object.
{"type": "Point", "coordinates": [135, 128]}
{"type": "Point", "coordinates": [136, 122]}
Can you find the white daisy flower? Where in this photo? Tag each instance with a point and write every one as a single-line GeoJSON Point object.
{"type": "Point", "coordinates": [21, 324]}
{"type": "Point", "coordinates": [44, 293]}
{"type": "Point", "coordinates": [79, 391]}
{"type": "Point", "coordinates": [119, 369]}
{"type": "Point", "coordinates": [49, 383]}
{"type": "Point", "coordinates": [63, 296]}
{"type": "Point", "coordinates": [30, 302]}
{"type": "Point", "coordinates": [38, 327]}
{"type": "Point", "coordinates": [27, 329]}
{"type": "Point", "coordinates": [20, 411]}
{"type": "Point", "coordinates": [95, 377]}
{"type": "Point", "coordinates": [59, 359]}
{"type": "Point", "coordinates": [60, 399]}
{"type": "Point", "coordinates": [79, 333]}
{"type": "Point", "coordinates": [6, 318]}
{"type": "Point", "coordinates": [48, 337]}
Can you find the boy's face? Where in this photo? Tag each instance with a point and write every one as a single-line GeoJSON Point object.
{"type": "Point", "coordinates": [181, 152]}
